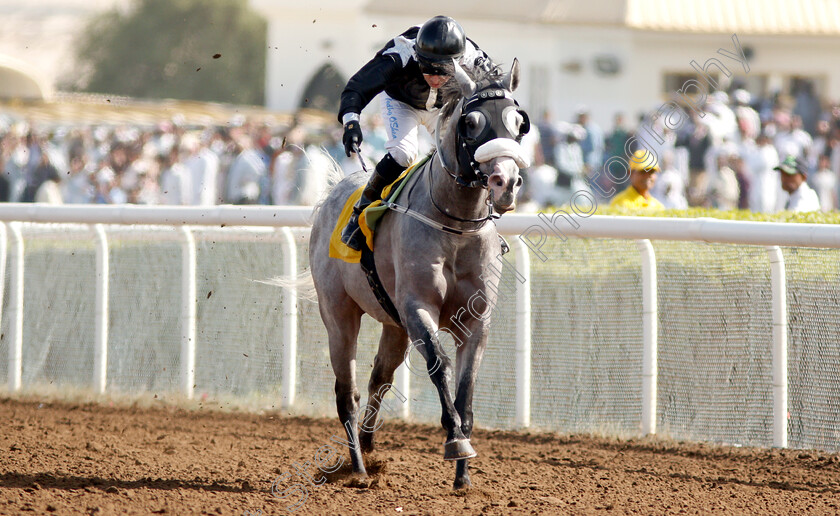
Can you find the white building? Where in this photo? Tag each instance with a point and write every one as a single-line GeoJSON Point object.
{"type": "Point", "coordinates": [36, 40]}
{"type": "Point", "coordinates": [611, 55]}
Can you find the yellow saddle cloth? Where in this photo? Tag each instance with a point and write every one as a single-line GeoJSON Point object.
{"type": "Point", "coordinates": [369, 217]}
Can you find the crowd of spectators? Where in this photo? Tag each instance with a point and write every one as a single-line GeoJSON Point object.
{"type": "Point", "coordinates": [723, 156]}
{"type": "Point", "coordinates": [173, 163]}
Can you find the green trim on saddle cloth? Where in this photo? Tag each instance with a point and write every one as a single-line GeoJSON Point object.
{"type": "Point", "coordinates": [370, 216]}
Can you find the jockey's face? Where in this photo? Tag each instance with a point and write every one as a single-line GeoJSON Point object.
{"type": "Point", "coordinates": [435, 81]}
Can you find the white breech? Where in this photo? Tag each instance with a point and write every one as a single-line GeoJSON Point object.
{"type": "Point", "coordinates": [402, 123]}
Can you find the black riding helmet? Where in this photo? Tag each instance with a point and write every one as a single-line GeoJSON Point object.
{"type": "Point", "coordinates": [439, 41]}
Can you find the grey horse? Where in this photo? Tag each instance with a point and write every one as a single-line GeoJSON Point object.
{"type": "Point", "coordinates": [432, 273]}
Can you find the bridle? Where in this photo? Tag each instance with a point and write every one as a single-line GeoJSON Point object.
{"type": "Point", "coordinates": [488, 200]}
{"type": "Point", "coordinates": [469, 173]}
{"type": "Point", "coordinates": [481, 179]}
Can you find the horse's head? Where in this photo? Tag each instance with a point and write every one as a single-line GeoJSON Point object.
{"type": "Point", "coordinates": [489, 125]}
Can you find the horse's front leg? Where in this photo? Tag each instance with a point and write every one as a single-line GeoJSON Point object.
{"type": "Point", "coordinates": [421, 325]}
{"type": "Point", "coordinates": [468, 360]}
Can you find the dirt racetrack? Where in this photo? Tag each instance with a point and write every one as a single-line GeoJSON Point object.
{"type": "Point", "coordinates": [93, 459]}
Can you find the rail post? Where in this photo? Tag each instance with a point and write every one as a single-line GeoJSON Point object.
{"type": "Point", "coordinates": [290, 326]}
{"type": "Point", "coordinates": [4, 245]}
{"type": "Point", "coordinates": [188, 312]}
{"type": "Point", "coordinates": [649, 337]}
{"type": "Point", "coordinates": [523, 337]}
{"type": "Point", "coordinates": [402, 381]}
{"type": "Point", "coordinates": [16, 309]}
{"type": "Point", "coordinates": [100, 352]}
{"type": "Point", "coordinates": [778, 296]}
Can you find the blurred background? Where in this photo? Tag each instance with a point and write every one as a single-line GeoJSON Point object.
{"type": "Point", "coordinates": [234, 101]}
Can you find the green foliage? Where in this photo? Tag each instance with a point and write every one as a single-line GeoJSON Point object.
{"type": "Point", "coordinates": [697, 258]}
{"type": "Point", "coordinates": [814, 217]}
{"type": "Point", "coordinates": [166, 49]}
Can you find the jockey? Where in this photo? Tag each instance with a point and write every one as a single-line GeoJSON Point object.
{"type": "Point", "coordinates": [409, 69]}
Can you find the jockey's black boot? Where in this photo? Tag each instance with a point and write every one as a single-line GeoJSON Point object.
{"type": "Point", "coordinates": [387, 171]}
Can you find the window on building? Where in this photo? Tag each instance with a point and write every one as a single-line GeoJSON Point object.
{"type": "Point", "coordinates": [756, 84]}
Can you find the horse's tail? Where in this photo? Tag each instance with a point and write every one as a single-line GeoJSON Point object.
{"type": "Point", "coordinates": [302, 285]}
{"type": "Point", "coordinates": [329, 169]}
{"type": "Point", "coordinates": [322, 173]}
{"type": "Point", "coordinates": [334, 171]}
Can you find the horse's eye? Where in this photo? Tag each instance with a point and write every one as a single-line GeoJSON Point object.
{"type": "Point", "coordinates": [514, 121]}
{"type": "Point", "coordinates": [475, 123]}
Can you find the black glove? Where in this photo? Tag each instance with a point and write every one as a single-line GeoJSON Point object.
{"type": "Point", "coordinates": [352, 137]}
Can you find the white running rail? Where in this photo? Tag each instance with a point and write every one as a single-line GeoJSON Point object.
{"type": "Point", "coordinates": [532, 232]}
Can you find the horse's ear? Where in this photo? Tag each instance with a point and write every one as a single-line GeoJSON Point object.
{"type": "Point", "coordinates": [511, 80]}
{"type": "Point", "coordinates": [467, 84]}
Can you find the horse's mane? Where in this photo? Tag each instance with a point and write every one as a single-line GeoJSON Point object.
{"type": "Point", "coordinates": [450, 93]}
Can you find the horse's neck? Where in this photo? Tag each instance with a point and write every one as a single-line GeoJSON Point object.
{"type": "Point", "coordinates": [456, 201]}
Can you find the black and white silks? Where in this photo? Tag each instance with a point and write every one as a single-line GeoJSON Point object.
{"type": "Point", "coordinates": [395, 71]}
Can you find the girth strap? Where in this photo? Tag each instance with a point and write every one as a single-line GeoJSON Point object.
{"type": "Point", "coordinates": [369, 268]}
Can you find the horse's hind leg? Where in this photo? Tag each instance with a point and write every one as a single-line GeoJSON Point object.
{"type": "Point", "coordinates": [392, 345]}
{"type": "Point", "coordinates": [343, 322]}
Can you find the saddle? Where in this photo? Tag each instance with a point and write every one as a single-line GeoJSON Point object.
{"type": "Point", "coordinates": [370, 216]}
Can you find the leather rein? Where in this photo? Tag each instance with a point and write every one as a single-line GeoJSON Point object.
{"type": "Point", "coordinates": [433, 223]}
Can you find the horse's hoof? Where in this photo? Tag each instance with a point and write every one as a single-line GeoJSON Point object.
{"type": "Point", "coordinates": [458, 449]}
{"type": "Point", "coordinates": [358, 480]}
{"type": "Point", "coordinates": [462, 484]}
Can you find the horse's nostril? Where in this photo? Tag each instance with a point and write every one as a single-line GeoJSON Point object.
{"type": "Point", "coordinates": [500, 183]}
{"type": "Point", "coordinates": [519, 181]}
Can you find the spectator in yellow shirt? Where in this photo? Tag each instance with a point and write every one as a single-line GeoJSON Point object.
{"type": "Point", "coordinates": [643, 172]}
